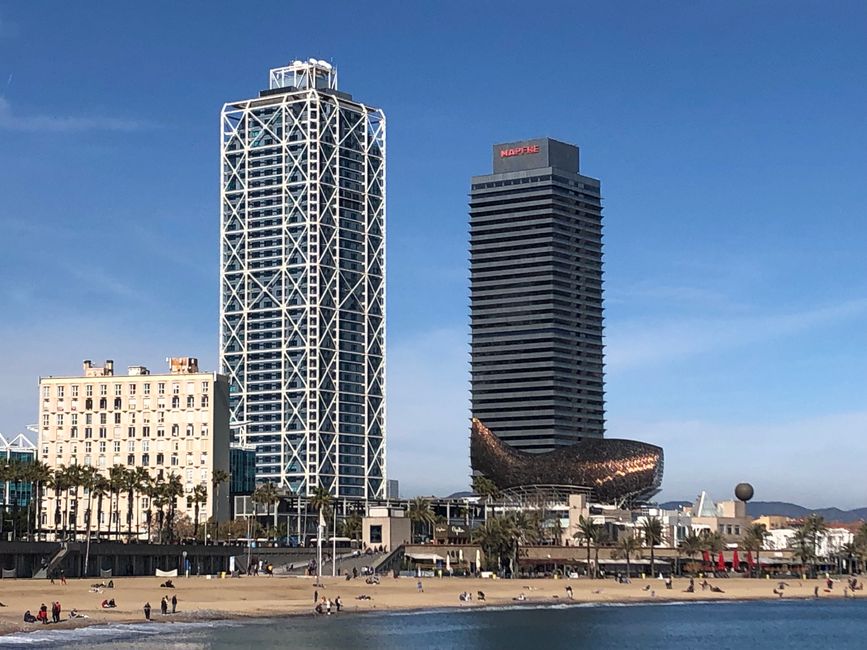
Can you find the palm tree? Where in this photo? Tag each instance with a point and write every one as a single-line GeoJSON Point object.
{"type": "Point", "coordinates": [130, 485]}
{"type": "Point", "coordinates": [143, 480]}
{"type": "Point", "coordinates": [351, 526]}
{"type": "Point", "coordinates": [816, 529]}
{"type": "Point", "coordinates": [651, 530]}
{"type": "Point", "coordinates": [421, 513]}
{"type": "Point", "coordinates": [804, 547]}
{"type": "Point", "coordinates": [73, 482]}
{"type": "Point", "coordinates": [117, 480]}
{"type": "Point", "coordinates": [218, 477]}
{"type": "Point", "coordinates": [691, 545]}
{"type": "Point", "coordinates": [627, 546]}
{"type": "Point", "coordinates": [491, 539]}
{"type": "Point", "coordinates": [101, 489]}
{"type": "Point", "coordinates": [486, 489]}
{"type": "Point", "coordinates": [41, 475]}
{"type": "Point", "coordinates": [200, 496]}
{"type": "Point", "coordinates": [88, 479]}
{"type": "Point", "coordinates": [174, 489]}
{"type": "Point", "coordinates": [266, 495]}
{"type": "Point", "coordinates": [588, 531]}
{"type": "Point", "coordinates": [754, 540]}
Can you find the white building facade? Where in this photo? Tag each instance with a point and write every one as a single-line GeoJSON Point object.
{"type": "Point", "coordinates": [168, 425]}
{"type": "Point", "coordinates": [302, 311]}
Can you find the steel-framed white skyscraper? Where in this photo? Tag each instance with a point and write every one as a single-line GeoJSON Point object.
{"type": "Point", "coordinates": [302, 303]}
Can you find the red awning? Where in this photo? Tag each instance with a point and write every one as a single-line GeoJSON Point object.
{"type": "Point", "coordinates": [721, 562]}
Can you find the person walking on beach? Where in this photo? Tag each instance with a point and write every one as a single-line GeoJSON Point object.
{"type": "Point", "coordinates": [569, 591]}
{"type": "Point", "coordinates": [147, 611]}
{"type": "Point", "coordinates": [62, 577]}
{"type": "Point", "coordinates": [164, 606]}
{"type": "Point", "coordinates": [419, 587]}
{"type": "Point", "coordinates": [338, 603]}
{"type": "Point", "coordinates": [174, 604]}
{"type": "Point", "coordinates": [315, 596]}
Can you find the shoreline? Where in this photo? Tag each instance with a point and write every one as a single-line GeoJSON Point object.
{"type": "Point", "coordinates": [204, 601]}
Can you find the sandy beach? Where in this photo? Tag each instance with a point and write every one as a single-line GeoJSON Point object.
{"type": "Point", "coordinates": [201, 599]}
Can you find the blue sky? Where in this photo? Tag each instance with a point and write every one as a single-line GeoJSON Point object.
{"type": "Point", "coordinates": [730, 139]}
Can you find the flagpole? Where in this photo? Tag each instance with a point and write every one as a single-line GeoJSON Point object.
{"type": "Point", "coordinates": [319, 547]}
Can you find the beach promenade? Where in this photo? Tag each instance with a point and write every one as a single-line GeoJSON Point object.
{"type": "Point", "coordinates": [200, 598]}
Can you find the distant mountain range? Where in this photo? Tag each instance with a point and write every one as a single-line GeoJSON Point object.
{"type": "Point", "coordinates": [759, 508]}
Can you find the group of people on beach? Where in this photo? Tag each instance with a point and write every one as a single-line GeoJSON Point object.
{"type": "Point", "coordinates": [164, 606]}
{"type": "Point", "coordinates": [42, 614]}
{"type": "Point", "coordinates": [325, 605]}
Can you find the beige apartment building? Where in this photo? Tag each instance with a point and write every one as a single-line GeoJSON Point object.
{"type": "Point", "coordinates": [175, 423]}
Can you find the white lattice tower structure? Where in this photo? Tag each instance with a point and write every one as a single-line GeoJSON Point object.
{"type": "Point", "coordinates": [302, 310]}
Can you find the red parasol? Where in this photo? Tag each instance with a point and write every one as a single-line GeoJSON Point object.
{"type": "Point", "coordinates": [750, 562]}
{"type": "Point", "coordinates": [721, 562]}
{"type": "Point", "coordinates": [736, 561]}
{"type": "Point", "coordinates": [705, 557]}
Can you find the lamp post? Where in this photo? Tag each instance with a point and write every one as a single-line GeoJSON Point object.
{"type": "Point", "coordinates": [186, 570]}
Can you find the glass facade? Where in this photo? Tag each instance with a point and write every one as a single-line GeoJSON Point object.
{"type": "Point", "coordinates": [303, 282]}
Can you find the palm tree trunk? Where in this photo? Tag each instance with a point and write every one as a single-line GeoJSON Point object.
{"type": "Point", "coordinates": [589, 574]}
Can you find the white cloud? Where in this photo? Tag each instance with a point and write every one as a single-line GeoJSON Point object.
{"type": "Point", "coordinates": [35, 122]}
{"type": "Point", "coordinates": [646, 342]}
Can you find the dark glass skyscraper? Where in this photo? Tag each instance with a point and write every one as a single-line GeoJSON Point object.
{"type": "Point", "coordinates": [536, 297]}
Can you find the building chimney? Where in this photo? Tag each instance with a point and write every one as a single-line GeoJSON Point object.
{"type": "Point", "coordinates": [109, 368]}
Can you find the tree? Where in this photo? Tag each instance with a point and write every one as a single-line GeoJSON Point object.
{"type": "Point", "coordinates": [266, 495]}
{"type": "Point", "coordinates": [420, 513]}
{"type": "Point", "coordinates": [143, 481]}
{"type": "Point", "coordinates": [804, 548]}
{"type": "Point", "coordinates": [200, 496]}
{"type": "Point", "coordinates": [218, 477]}
{"type": "Point", "coordinates": [691, 545]}
{"type": "Point", "coordinates": [486, 489]}
{"type": "Point", "coordinates": [627, 546]}
{"type": "Point", "coordinates": [489, 536]}
{"type": "Point", "coordinates": [754, 540]}
{"type": "Point", "coordinates": [117, 481]}
{"type": "Point", "coordinates": [101, 488]}
{"type": "Point", "coordinates": [130, 485]}
{"type": "Point", "coordinates": [588, 531]}
{"type": "Point", "coordinates": [651, 531]}
{"type": "Point", "coordinates": [41, 475]}
{"type": "Point", "coordinates": [351, 526]}
{"type": "Point", "coordinates": [88, 479]}
{"type": "Point", "coordinates": [174, 489]}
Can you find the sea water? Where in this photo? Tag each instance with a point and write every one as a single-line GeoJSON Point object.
{"type": "Point", "coordinates": [801, 624]}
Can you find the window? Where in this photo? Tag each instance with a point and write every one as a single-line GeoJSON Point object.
{"type": "Point", "coordinates": [87, 461]}
{"type": "Point", "coordinates": [75, 391]}
{"type": "Point", "coordinates": [102, 461]}
{"type": "Point", "coordinates": [161, 388]}
{"type": "Point", "coordinates": [204, 475]}
{"type": "Point", "coordinates": [189, 430]}
{"type": "Point", "coordinates": [45, 420]}
{"type": "Point", "coordinates": [60, 391]}
{"type": "Point", "coordinates": [102, 446]}
{"type": "Point", "coordinates": [117, 389]}
{"type": "Point", "coordinates": [145, 460]}
{"type": "Point", "coordinates": [117, 418]}
{"type": "Point", "coordinates": [189, 458]}
{"type": "Point", "coordinates": [145, 432]}
{"type": "Point", "coordinates": [88, 390]}
{"type": "Point", "coordinates": [376, 534]}
{"type": "Point", "coordinates": [145, 445]}
{"type": "Point", "coordinates": [204, 401]}
{"type": "Point", "coordinates": [161, 417]}
{"type": "Point", "coordinates": [132, 388]}
{"type": "Point", "coordinates": [118, 404]}
{"type": "Point", "coordinates": [204, 430]}
{"type": "Point", "coordinates": [175, 430]}
{"type": "Point", "coordinates": [88, 447]}
{"type": "Point", "coordinates": [204, 387]}
{"type": "Point", "coordinates": [191, 387]}
{"type": "Point", "coordinates": [74, 419]}
{"type": "Point", "coordinates": [88, 403]}
{"type": "Point", "coordinates": [73, 432]}
{"type": "Point", "coordinates": [191, 402]}
{"type": "Point", "coordinates": [161, 459]}
{"type": "Point", "coordinates": [60, 419]}
{"type": "Point", "coordinates": [116, 446]}
{"type": "Point", "coordinates": [46, 392]}
{"type": "Point", "coordinates": [203, 460]}
{"type": "Point", "coordinates": [146, 389]}
{"type": "Point", "coordinates": [88, 432]}
{"type": "Point", "coordinates": [130, 445]}
{"type": "Point", "coordinates": [130, 459]}
{"type": "Point", "coordinates": [103, 418]}
{"type": "Point", "coordinates": [176, 402]}
{"type": "Point", "coordinates": [161, 432]}
{"type": "Point", "coordinates": [174, 460]}
{"type": "Point", "coordinates": [59, 449]}
{"type": "Point", "coordinates": [130, 432]}
{"type": "Point", "coordinates": [131, 418]}
{"type": "Point", "coordinates": [176, 389]}
{"type": "Point", "coordinates": [103, 404]}
{"type": "Point", "coordinates": [103, 432]}
{"type": "Point", "coordinates": [103, 390]}
{"type": "Point", "coordinates": [88, 418]}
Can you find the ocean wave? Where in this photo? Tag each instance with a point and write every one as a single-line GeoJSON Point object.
{"type": "Point", "coordinates": [106, 633]}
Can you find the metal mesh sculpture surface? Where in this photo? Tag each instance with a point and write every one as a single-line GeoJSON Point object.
{"type": "Point", "coordinates": [615, 470]}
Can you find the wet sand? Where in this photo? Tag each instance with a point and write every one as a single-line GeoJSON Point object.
{"type": "Point", "coordinates": [233, 598]}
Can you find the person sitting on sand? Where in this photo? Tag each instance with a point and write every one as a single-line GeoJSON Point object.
{"type": "Point", "coordinates": [29, 618]}
{"type": "Point", "coordinates": [521, 597]}
{"type": "Point", "coordinates": [646, 588]}
{"type": "Point", "coordinates": [74, 613]}
{"type": "Point", "coordinates": [318, 609]}
{"type": "Point", "coordinates": [778, 592]}
{"type": "Point", "coordinates": [363, 597]}
{"type": "Point", "coordinates": [569, 591]}
{"type": "Point", "coordinates": [167, 585]}
{"type": "Point", "coordinates": [108, 604]}
{"type": "Point", "coordinates": [717, 590]}
{"type": "Point", "coordinates": [480, 596]}
{"type": "Point", "coordinates": [690, 589]}
{"type": "Point", "coordinates": [110, 584]}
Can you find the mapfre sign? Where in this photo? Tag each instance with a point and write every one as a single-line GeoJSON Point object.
{"type": "Point", "coordinates": [519, 151]}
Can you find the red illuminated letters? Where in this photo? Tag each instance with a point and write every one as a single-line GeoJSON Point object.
{"type": "Point", "coordinates": [519, 151]}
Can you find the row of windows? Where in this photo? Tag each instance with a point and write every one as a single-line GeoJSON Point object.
{"type": "Point", "coordinates": [131, 447]}
{"type": "Point", "coordinates": [145, 460]}
{"type": "Point", "coordinates": [132, 389]}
